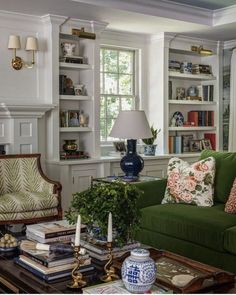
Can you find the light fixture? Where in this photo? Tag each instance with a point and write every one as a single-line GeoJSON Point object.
{"type": "Point", "coordinates": [202, 51]}
{"type": "Point", "coordinates": [31, 45]}
{"type": "Point", "coordinates": [131, 125]}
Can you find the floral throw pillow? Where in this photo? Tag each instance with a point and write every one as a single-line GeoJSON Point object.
{"type": "Point", "coordinates": [230, 206]}
{"type": "Point", "coordinates": [191, 184]}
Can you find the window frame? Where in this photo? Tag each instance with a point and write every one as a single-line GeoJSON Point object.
{"type": "Point", "coordinates": [135, 82]}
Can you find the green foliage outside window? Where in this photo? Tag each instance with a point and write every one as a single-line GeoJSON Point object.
{"type": "Point", "coordinates": [117, 90]}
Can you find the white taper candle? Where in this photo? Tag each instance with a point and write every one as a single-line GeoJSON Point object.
{"type": "Point", "coordinates": [109, 229]}
{"type": "Point", "coordinates": [77, 233]}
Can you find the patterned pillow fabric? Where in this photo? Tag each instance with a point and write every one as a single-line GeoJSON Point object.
{"type": "Point", "coordinates": [230, 206]}
{"type": "Point", "coordinates": [191, 184]}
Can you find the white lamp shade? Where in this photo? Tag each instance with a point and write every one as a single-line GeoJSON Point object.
{"type": "Point", "coordinates": [31, 43]}
{"type": "Point", "coordinates": [131, 125]}
{"type": "Point", "coordinates": [14, 42]}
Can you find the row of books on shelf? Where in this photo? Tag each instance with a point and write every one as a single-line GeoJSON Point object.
{"type": "Point", "coordinates": [201, 118]}
{"type": "Point", "coordinates": [73, 155]}
{"type": "Point", "coordinates": [186, 143]}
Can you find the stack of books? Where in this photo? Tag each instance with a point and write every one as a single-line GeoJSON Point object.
{"type": "Point", "coordinates": [98, 251]}
{"type": "Point", "coordinates": [201, 69]}
{"type": "Point", "coordinates": [49, 232]}
{"type": "Point", "coordinates": [174, 66]}
{"type": "Point", "coordinates": [51, 266]}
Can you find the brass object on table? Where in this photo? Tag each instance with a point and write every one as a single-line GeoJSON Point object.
{"type": "Point", "coordinates": [109, 269]}
{"type": "Point", "coordinates": [82, 34]}
{"type": "Point", "coordinates": [77, 278]}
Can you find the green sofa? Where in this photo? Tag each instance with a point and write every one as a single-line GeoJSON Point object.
{"type": "Point", "coordinates": [205, 234]}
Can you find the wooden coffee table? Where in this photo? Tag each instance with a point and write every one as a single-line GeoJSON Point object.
{"type": "Point", "coordinates": [14, 279]}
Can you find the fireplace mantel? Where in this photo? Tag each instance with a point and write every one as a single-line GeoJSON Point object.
{"type": "Point", "coordinates": [24, 110]}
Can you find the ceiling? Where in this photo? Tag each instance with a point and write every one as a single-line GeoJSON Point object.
{"type": "Point", "coordinates": [138, 16]}
{"type": "Point", "coordinates": [208, 4]}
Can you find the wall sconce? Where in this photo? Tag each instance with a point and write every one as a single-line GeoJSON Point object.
{"type": "Point", "coordinates": [31, 45]}
{"type": "Point", "coordinates": [200, 50]}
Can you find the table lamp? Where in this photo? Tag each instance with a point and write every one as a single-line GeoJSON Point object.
{"type": "Point", "coordinates": [131, 125]}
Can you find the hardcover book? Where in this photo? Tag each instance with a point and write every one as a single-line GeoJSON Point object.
{"type": "Point", "coordinates": [54, 276]}
{"type": "Point", "coordinates": [91, 244]}
{"type": "Point", "coordinates": [51, 259]}
{"type": "Point", "coordinates": [53, 229]}
{"type": "Point", "coordinates": [62, 239]}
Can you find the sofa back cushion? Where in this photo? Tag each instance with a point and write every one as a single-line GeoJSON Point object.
{"type": "Point", "coordinates": [19, 174]}
{"type": "Point", "coordinates": [191, 184]}
{"type": "Point", "coordinates": [225, 173]}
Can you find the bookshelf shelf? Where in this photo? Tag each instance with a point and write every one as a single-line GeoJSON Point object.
{"type": "Point", "coordinates": [75, 97]}
{"type": "Point", "coordinates": [75, 129]}
{"type": "Point", "coordinates": [199, 128]}
{"type": "Point", "coordinates": [191, 102]}
{"type": "Point", "coordinates": [71, 66]}
{"type": "Point", "coordinates": [201, 77]}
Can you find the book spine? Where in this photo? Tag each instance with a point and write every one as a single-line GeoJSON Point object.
{"type": "Point", "coordinates": [31, 236]}
{"type": "Point", "coordinates": [212, 138]}
{"type": "Point", "coordinates": [193, 117]}
{"type": "Point", "coordinates": [102, 251]}
{"type": "Point", "coordinates": [34, 258]}
{"type": "Point", "coordinates": [178, 144]}
{"type": "Point", "coordinates": [171, 144]}
{"type": "Point", "coordinates": [18, 261]}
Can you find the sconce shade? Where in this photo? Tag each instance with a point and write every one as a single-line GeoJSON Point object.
{"type": "Point", "coordinates": [14, 42]}
{"type": "Point", "coordinates": [131, 125]}
{"type": "Point", "coordinates": [31, 43]}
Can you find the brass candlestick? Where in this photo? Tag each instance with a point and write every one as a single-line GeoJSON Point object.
{"type": "Point", "coordinates": [109, 269]}
{"type": "Point", "coordinates": [77, 281]}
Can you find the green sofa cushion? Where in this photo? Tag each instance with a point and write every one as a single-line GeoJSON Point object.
{"type": "Point", "coordinates": [230, 240]}
{"type": "Point", "coordinates": [26, 201]}
{"type": "Point", "coordinates": [201, 225]}
{"type": "Point", "coordinates": [225, 173]}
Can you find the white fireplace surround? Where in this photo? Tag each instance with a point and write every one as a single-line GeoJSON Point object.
{"type": "Point", "coordinates": [19, 128]}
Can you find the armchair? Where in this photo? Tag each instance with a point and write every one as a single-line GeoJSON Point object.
{"type": "Point", "coordinates": [26, 194]}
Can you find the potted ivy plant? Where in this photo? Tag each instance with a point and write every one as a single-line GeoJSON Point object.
{"type": "Point", "coordinates": [150, 147]}
{"type": "Point", "coordinates": [95, 203]}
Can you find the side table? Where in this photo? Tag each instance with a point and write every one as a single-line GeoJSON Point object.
{"type": "Point", "coordinates": [141, 179]}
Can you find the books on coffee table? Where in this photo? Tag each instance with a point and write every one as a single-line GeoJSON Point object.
{"type": "Point", "coordinates": [51, 277]}
{"type": "Point", "coordinates": [98, 250]}
{"type": "Point", "coordinates": [51, 259]}
{"type": "Point", "coordinates": [53, 229]}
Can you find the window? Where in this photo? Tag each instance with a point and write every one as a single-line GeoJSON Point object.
{"type": "Point", "coordinates": [117, 86]}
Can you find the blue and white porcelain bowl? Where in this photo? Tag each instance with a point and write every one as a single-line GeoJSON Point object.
{"type": "Point", "coordinates": [138, 271]}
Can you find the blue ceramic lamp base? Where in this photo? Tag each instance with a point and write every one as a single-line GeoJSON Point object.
{"type": "Point", "coordinates": [132, 164]}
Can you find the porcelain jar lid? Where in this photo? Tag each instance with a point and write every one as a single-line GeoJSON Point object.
{"type": "Point", "coordinates": [140, 253]}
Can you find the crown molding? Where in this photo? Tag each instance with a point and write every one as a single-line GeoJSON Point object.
{"type": "Point", "coordinates": [224, 16]}
{"type": "Point", "coordinates": [161, 8]}
{"type": "Point", "coordinates": [230, 44]}
{"type": "Point", "coordinates": [124, 36]}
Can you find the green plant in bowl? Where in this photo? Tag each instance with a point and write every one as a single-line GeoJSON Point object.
{"type": "Point", "coordinates": [95, 203]}
{"type": "Point", "coordinates": [150, 141]}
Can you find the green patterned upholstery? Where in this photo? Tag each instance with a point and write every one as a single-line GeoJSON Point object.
{"type": "Point", "coordinates": [22, 174]}
{"type": "Point", "coordinates": [25, 193]}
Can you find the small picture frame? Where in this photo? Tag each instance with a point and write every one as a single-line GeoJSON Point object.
{"type": "Point", "coordinates": [119, 146]}
{"type": "Point", "coordinates": [180, 93]}
{"type": "Point", "coordinates": [206, 144]}
{"type": "Point", "coordinates": [186, 142]}
{"type": "Point", "coordinates": [195, 145]}
{"type": "Point", "coordinates": [73, 118]}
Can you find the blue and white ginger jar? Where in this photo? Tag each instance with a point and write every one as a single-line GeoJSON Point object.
{"type": "Point", "coordinates": [138, 271]}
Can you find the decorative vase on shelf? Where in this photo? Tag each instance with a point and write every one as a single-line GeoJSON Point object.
{"type": "Point", "coordinates": [150, 149]}
{"type": "Point", "coordinates": [138, 271]}
{"type": "Point", "coordinates": [70, 146]}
